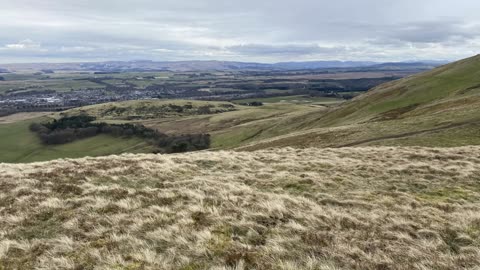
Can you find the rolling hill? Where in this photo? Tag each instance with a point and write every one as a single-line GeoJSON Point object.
{"type": "Point", "coordinates": [440, 107]}
{"type": "Point", "coordinates": [455, 86]}
{"type": "Point", "coordinates": [229, 125]}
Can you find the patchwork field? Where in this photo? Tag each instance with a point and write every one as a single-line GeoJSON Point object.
{"type": "Point", "coordinates": [350, 208]}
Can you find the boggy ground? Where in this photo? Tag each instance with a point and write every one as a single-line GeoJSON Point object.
{"type": "Point", "coordinates": [349, 208]}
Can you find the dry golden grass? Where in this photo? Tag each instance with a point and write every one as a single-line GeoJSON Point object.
{"type": "Point", "coordinates": [351, 208]}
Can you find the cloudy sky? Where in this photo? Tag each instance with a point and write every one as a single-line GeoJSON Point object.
{"type": "Point", "coordinates": [241, 30]}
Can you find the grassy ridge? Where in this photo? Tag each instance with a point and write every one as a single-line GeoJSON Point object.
{"type": "Point", "coordinates": [152, 109]}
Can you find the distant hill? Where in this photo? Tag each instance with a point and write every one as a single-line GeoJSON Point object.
{"type": "Point", "coordinates": [406, 65]}
{"type": "Point", "coordinates": [322, 64]}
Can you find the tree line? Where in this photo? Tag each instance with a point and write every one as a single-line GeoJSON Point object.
{"type": "Point", "coordinates": [69, 129]}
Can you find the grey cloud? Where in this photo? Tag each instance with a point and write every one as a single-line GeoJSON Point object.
{"type": "Point", "coordinates": [262, 49]}
{"type": "Point", "coordinates": [24, 44]}
{"type": "Point", "coordinates": [247, 30]}
{"type": "Point", "coordinates": [434, 31]}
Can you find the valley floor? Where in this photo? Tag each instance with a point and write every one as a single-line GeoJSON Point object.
{"type": "Point", "coordinates": [286, 208]}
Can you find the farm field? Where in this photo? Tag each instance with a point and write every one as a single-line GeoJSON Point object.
{"type": "Point", "coordinates": [19, 144]}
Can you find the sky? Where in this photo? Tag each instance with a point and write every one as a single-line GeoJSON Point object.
{"type": "Point", "coordinates": [243, 30]}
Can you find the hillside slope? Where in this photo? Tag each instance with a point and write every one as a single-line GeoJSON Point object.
{"type": "Point", "coordinates": [448, 87]}
{"type": "Point", "coordinates": [436, 108]}
{"type": "Point", "coordinates": [350, 208]}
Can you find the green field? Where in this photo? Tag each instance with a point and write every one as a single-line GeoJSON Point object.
{"type": "Point", "coordinates": [18, 144]}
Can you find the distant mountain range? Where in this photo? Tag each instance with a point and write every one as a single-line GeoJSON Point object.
{"type": "Point", "coordinates": [322, 64]}
{"type": "Point", "coordinates": [146, 65]}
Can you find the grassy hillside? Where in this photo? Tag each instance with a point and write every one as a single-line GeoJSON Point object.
{"type": "Point", "coordinates": [229, 124]}
{"type": "Point", "coordinates": [351, 208]}
{"type": "Point", "coordinates": [231, 129]}
{"type": "Point", "coordinates": [436, 108]}
{"type": "Point", "coordinates": [452, 85]}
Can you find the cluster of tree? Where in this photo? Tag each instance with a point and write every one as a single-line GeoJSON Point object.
{"type": "Point", "coordinates": [253, 103]}
{"type": "Point", "coordinates": [142, 112]}
{"type": "Point", "coordinates": [106, 72]}
{"type": "Point", "coordinates": [346, 96]}
{"type": "Point", "coordinates": [183, 143]}
{"type": "Point", "coordinates": [69, 129]}
{"type": "Point", "coordinates": [2, 78]}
